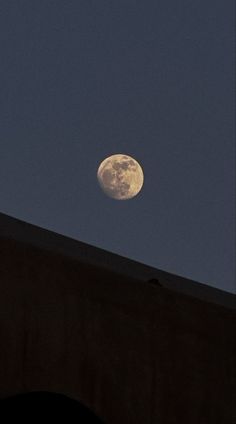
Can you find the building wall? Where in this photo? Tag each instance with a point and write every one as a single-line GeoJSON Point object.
{"type": "Point", "coordinates": [132, 352]}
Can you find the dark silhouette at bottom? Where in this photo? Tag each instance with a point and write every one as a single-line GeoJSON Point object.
{"type": "Point", "coordinates": [29, 407]}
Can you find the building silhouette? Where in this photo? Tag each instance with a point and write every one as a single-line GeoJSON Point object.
{"type": "Point", "coordinates": [128, 342]}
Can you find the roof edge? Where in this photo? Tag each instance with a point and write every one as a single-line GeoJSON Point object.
{"type": "Point", "coordinates": [21, 231]}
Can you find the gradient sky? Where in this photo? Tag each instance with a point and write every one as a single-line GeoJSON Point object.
{"type": "Point", "coordinates": [81, 80]}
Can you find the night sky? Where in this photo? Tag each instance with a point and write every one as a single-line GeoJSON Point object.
{"type": "Point", "coordinates": [84, 79]}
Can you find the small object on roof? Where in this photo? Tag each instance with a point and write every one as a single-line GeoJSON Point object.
{"type": "Point", "coordinates": [155, 282]}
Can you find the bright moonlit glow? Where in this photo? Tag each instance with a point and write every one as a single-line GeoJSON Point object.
{"type": "Point", "coordinates": [120, 176]}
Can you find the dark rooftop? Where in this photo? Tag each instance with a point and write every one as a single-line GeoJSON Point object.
{"type": "Point", "coordinates": [12, 228]}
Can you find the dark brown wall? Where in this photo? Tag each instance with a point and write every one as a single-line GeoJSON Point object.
{"type": "Point", "coordinates": [132, 352]}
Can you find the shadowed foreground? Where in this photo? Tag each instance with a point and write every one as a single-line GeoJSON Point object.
{"type": "Point", "coordinates": [78, 321]}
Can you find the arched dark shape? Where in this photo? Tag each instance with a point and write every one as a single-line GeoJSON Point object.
{"type": "Point", "coordinates": [32, 406]}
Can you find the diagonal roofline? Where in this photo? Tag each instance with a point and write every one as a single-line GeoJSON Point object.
{"type": "Point", "coordinates": [24, 232]}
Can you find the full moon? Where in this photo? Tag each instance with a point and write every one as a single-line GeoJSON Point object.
{"type": "Point", "coordinates": [120, 176]}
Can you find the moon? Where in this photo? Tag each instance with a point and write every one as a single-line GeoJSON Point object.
{"type": "Point", "coordinates": [120, 176]}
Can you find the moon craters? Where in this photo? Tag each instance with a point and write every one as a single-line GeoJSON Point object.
{"type": "Point", "coordinates": [120, 176]}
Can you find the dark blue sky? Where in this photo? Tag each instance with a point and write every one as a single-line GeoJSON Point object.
{"type": "Point", "coordinates": [81, 80]}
